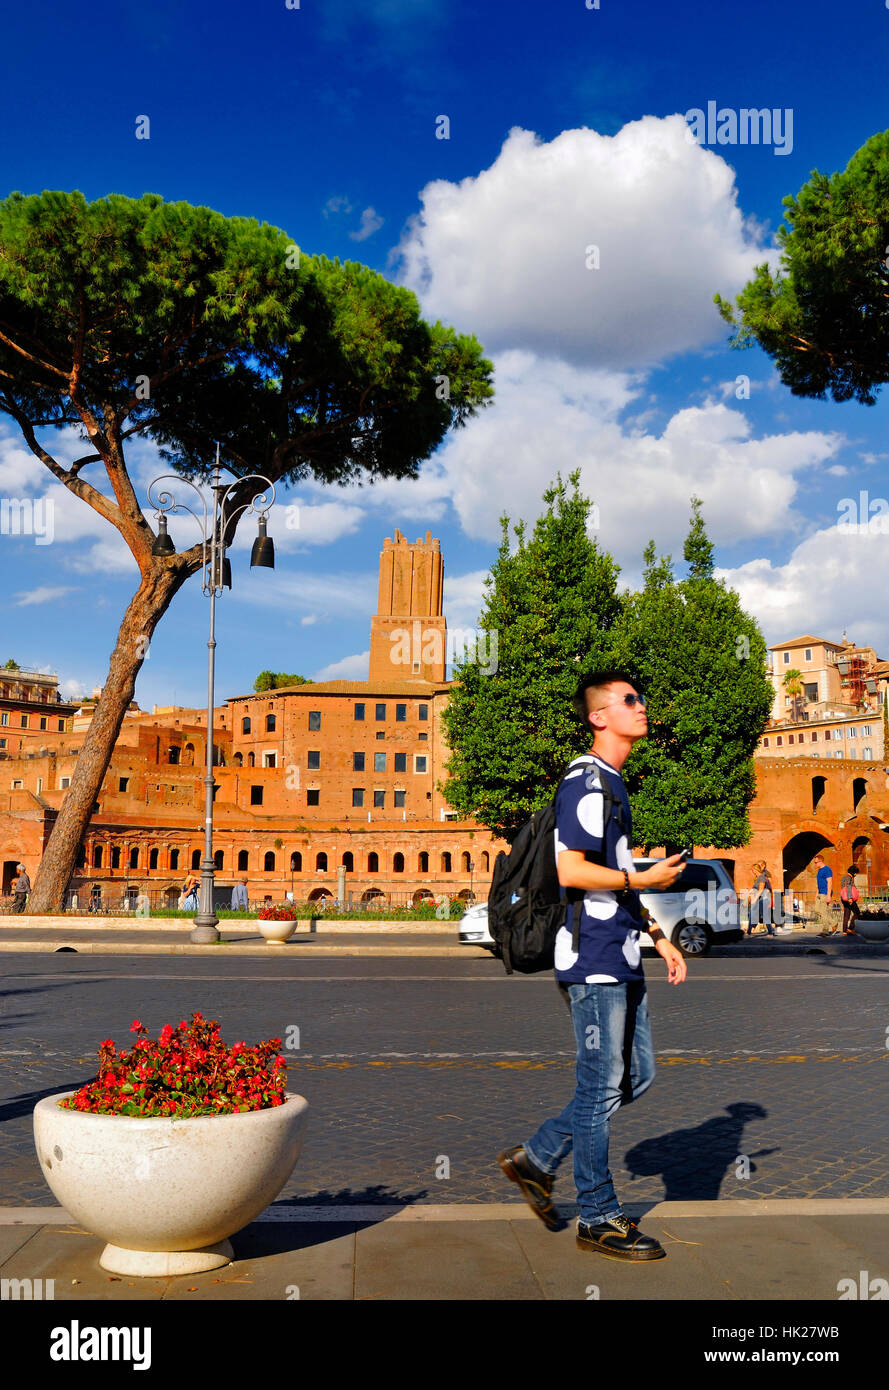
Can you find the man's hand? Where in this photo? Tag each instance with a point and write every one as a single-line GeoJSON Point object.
{"type": "Point", "coordinates": [662, 874]}
{"type": "Point", "coordinates": [675, 960]}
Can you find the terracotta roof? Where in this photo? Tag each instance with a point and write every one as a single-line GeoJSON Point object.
{"type": "Point", "coordinates": [806, 641]}
{"type": "Point", "coordinates": [366, 688]}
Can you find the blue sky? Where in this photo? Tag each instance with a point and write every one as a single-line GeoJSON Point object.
{"type": "Point", "coordinates": [566, 130]}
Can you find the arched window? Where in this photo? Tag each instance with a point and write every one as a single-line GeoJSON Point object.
{"type": "Point", "coordinates": [348, 861]}
{"type": "Point", "coordinates": [819, 786]}
{"type": "Point", "coordinates": [321, 862]}
{"type": "Point", "coordinates": [152, 859]}
{"type": "Point", "coordinates": [465, 862]}
{"type": "Point", "coordinates": [398, 863]}
{"type": "Point", "coordinates": [269, 862]}
{"type": "Point", "coordinates": [296, 862]}
{"type": "Point", "coordinates": [446, 862]}
{"type": "Point", "coordinates": [174, 752]}
{"type": "Point", "coordinates": [245, 725]}
{"type": "Point", "coordinates": [218, 859]}
{"type": "Point", "coordinates": [859, 791]}
{"type": "Point", "coordinates": [189, 754]}
{"type": "Point", "coordinates": [423, 862]}
{"type": "Point", "coordinates": [115, 856]}
{"type": "Point", "coordinates": [486, 862]}
{"type": "Point", "coordinates": [97, 857]}
{"type": "Point", "coordinates": [373, 862]}
{"type": "Point", "coordinates": [174, 859]}
{"type": "Point", "coordinates": [270, 723]}
{"type": "Point", "coordinates": [196, 859]}
{"type": "Point", "coordinates": [134, 857]}
{"type": "Point", "coordinates": [81, 858]}
{"type": "Point", "coordinates": [239, 760]}
{"type": "Point", "coordinates": [250, 760]}
{"type": "Point", "coordinates": [243, 858]}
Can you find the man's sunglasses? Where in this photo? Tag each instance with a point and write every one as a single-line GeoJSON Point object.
{"type": "Point", "coordinates": [629, 700]}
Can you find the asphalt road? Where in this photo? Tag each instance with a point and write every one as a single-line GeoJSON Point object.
{"type": "Point", "coordinates": [772, 1074]}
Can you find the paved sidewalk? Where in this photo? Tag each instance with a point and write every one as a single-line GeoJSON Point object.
{"type": "Point", "coordinates": [725, 1251]}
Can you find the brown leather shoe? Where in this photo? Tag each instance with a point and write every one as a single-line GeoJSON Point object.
{"type": "Point", "coordinates": [535, 1185]}
{"type": "Point", "coordinates": [619, 1238]}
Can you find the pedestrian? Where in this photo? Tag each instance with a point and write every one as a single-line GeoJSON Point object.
{"type": "Point", "coordinates": [21, 887]}
{"type": "Point", "coordinates": [190, 893]}
{"type": "Point", "coordinates": [824, 896]}
{"type": "Point", "coordinates": [239, 893]}
{"type": "Point", "coordinates": [761, 905]}
{"type": "Point", "coordinates": [849, 899]}
{"type": "Point", "coordinates": [603, 983]}
{"type": "Point", "coordinates": [96, 898]}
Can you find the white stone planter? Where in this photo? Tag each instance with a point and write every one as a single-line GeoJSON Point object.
{"type": "Point", "coordinates": [165, 1194]}
{"type": "Point", "coordinates": [276, 933]}
{"type": "Point", "coordinates": [873, 931]}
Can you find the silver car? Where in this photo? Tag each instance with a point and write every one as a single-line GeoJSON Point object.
{"type": "Point", "coordinates": [699, 908]}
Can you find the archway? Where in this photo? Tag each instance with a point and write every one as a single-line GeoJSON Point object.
{"type": "Point", "coordinates": [371, 894]}
{"type": "Point", "coordinates": [799, 852]}
{"type": "Point", "coordinates": [422, 895]}
{"type": "Point", "coordinates": [320, 895]}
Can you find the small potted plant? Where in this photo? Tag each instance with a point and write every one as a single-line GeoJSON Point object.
{"type": "Point", "coordinates": [277, 923]}
{"type": "Point", "coordinates": [178, 1143]}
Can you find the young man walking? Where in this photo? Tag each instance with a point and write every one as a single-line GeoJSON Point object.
{"type": "Point", "coordinates": [823, 896]}
{"type": "Point", "coordinates": [604, 981]}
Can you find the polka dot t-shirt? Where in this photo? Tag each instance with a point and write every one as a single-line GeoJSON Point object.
{"type": "Point", "coordinates": [610, 922]}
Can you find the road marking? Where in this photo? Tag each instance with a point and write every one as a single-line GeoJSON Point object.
{"type": "Point", "coordinates": [838, 973]}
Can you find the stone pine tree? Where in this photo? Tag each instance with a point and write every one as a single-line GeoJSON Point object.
{"type": "Point", "coordinates": [702, 662]}
{"type": "Point", "coordinates": [823, 315]}
{"type": "Point", "coordinates": [550, 607]}
{"type": "Point", "coordinates": [135, 318]}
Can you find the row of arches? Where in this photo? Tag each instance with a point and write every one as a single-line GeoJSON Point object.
{"type": "Point", "coordinates": [819, 790]}
{"type": "Point", "coordinates": [175, 862]}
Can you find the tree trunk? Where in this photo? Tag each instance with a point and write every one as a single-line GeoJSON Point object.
{"type": "Point", "coordinates": [146, 608]}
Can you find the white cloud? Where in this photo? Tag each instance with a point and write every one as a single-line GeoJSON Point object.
{"type": "Point", "coordinates": [351, 668]}
{"type": "Point", "coordinates": [464, 595]}
{"type": "Point", "coordinates": [370, 222]}
{"type": "Point", "coordinates": [504, 254]}
{"type": "Point", "coordinates": [339, 203]}
{"type": "Point", "coordinates": [46, 593]}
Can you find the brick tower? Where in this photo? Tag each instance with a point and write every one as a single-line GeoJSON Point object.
{"type": "Point", "coordinates": [408, 631]}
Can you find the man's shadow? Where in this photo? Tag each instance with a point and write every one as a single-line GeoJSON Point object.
{"type": "Point", "coordinates": [693, 1162]}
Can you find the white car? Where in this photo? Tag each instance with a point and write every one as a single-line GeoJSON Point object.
{"type": "Point", "coordinates": [699, 908]}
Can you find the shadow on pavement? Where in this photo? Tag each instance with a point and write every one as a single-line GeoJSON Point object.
{"type": "Point", "coordinates": [693, 1162]}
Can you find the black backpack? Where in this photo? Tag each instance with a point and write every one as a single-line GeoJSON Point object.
{"type": "Point", "coordinates": [525, 909]}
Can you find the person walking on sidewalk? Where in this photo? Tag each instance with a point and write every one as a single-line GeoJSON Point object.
{"type": "Point", "coordinates": [849, 899]}
{"type": "Point", "coordinates": [823, 896]}
{"type": "Point", "coordinates": [239, 894]}
{"type": "Point", "coordinates": [21, 887]}
{"type": "Point", "coordinates": [761, 906]}
{"type": "Point", "coordinates": [604, 982]}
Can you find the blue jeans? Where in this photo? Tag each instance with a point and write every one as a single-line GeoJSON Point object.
{"type": "Point", "coordinates": [615, 1065]}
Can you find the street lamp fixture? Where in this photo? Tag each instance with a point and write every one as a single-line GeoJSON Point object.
{"type": "Point", "coordinates": [215, 524]}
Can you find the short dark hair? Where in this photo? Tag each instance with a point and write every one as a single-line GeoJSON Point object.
{"type": "Point", "coordinates": [853, 869]}
{"type": "Point", "coordinates": [595, 681]}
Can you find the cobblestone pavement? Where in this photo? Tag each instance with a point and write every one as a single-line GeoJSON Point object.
{"type": "Point", "coordinates": [772, 1076]}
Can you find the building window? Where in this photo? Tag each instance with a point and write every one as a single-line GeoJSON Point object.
{"type": "Point", "coordinates": [790, 738]}
{"type": "Point", "coordinates": [865, 731]}
{"type": "Point", "coordinates": [43, 721]}
{"type": "Point", "coordinates": [123, 783]}
{"type": "Point", "coordinates": [815, 736]}
{"type": "Point", "coordinates": [61, 726]}
{"type": "Point", "coordinates": [296, 862]}
{"type": "Point", "coordinates": [423, 737]}
{"type": "Point", "coordinates": [3, 742]}
{"type": "Point", "coordinates": [134, 857]}
{"type": "Point", "coordinates": [423, 862]}
{"type": "Point", "coordinates": [357, 762]}
{"type": "Point", "coordinates": [420, 762]}
{"type": "Point", "coordinates": [270, 723]}
{"type": "Point", "coordinates": [218, 859]}
{"type": "Point", "coordinates": [314, 719]}
{"type": "Point", "coordinates": [4, 718]}
{"type": "Point", "coordinates": [787, 658]}
{"type": "Point", "coordinates": [245, 724]}
{"type": "Point", "coordinates": [808, 654]}
{"type": "Point", "coordinates": [321, 862]}
{"type": "Point", "coordinates": [313, 796]}
{"type": "Point", "coordinates": [381, 712]}
{"type": "Point", "coordinates": [357, 796]}
{"type": "Point", "coordinates": [400, 713]}
{"type": "Point", "coordinates": [24, 721]}
{"type": "Point", "coordinates": [853, 732]}
{"type": "Point", "coordinates": [243, 860]}
{"type": "Point", "coordinates": [423, 712]}
{"type": "Point", "coordinates": [379, 762]}
{"type": "Point", "coordinates": [380, 735]}
{"type": "Point", "coordinates": [152, 859]}
{"type": "Point", "coordinates": [196, 859]}
{"type": "Point", "coordinates": [115, 856]}
{"type": "Point", "coordinates": [373, 862]}
{"type": "Point", "coordinates": [446, 862]}
{"type": "Point", "coordinates": [401, 762]}
{"type": "Point", "coordinates": [867, 753]}
{"type": "Point", "coordinates": [348, 861]}
{"type": "Point", "coordinates": [173, 754]}
{"type": "Point", "coordinates": [97, 857]}
{"type": "Point", "coordinates": [398, 863]}
{"type": "Point", "coordinates": [313, 760]}
{"type": "Point", "coordinates": [268, 862]}
{"type": "Point", "coordinates": [778, 741]}
{"type": "Point", "coordinates": [399, 798]}
{"type": "Point", "coordinates": [765, 743]}
{"type": "Point", "coordinates": [485, 861]}
{"type": "Point", "coordinates": [251, 760]}
{"type": "Point", "coordinates": [174, 859]}
{"type": "Point", "coordinates": [270, 760]}
{"type": "Point", "coordinates": [256, 796]}
{"type": "Point", "coordinates": [359, 711]}
{"type": "Point", "coordinates": [838, 753]}
{"type": "Point", "coordinates": [379, 800]}
{"type": "Point", "coordinates": [64, 782]}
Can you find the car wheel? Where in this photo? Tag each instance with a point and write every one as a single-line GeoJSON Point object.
{"type": "Point", "coordinates": [693, 938]}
